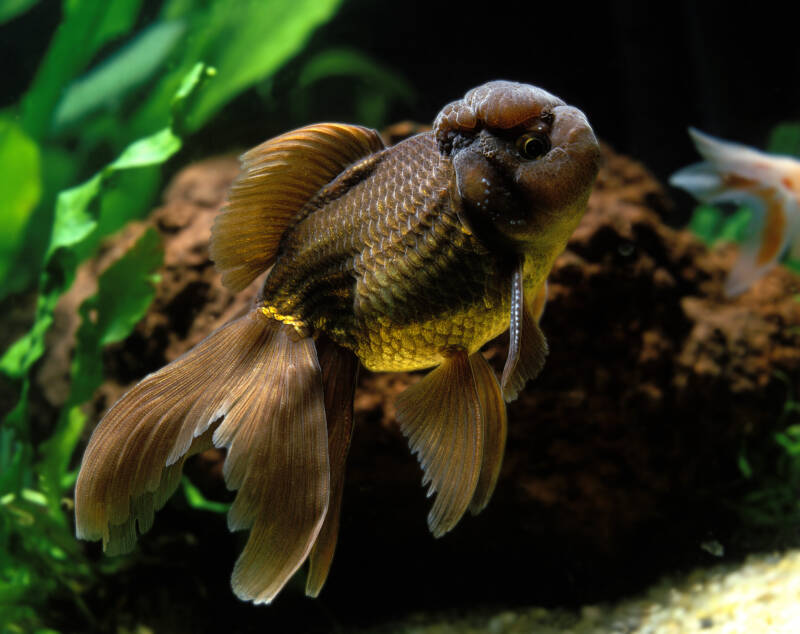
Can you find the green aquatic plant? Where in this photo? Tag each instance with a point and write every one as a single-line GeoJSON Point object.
{"type": "Point", "coordinates": [110, 103]}
{"type": "Point", "coordinates": [80, 112]}
{"type": "Point", "coordinates": [39, 554]}
{"type": "Point", "coordinates": [373, 86]}
{"type": "Point", "coordinates": [712, 225]}
{"type": "Point", "coordinates": [771, 474]}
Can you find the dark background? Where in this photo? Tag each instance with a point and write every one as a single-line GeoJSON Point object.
{"type": "Point", "coordinates": [641, 71]}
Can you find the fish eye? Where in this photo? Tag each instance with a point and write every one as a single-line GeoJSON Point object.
{"type": "Point", "coordinates": [533, 146]}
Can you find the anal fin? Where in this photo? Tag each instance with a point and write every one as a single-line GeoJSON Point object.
{"type": "Point", "coordinates": [441, 417]}
{"type": "Point", "coordinates": [527, 347]}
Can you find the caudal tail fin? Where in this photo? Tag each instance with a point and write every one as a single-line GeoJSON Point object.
{"type": "Point", "coordinates": [252, 387]}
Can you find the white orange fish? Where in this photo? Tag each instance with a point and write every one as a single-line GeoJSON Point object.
{"type": "Point", "coordinates": [768, 185]}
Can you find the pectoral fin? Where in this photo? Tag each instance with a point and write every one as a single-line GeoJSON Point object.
{"type": "Point", "coordinates": [527, 347]}
{"type": "Point", "coordinates": [441, 417]}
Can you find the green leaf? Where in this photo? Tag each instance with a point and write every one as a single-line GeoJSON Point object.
{"type": "Point", "coordinates": [347, 62]}
{"type": "Point", "coordinates": [77, 209]}
{"type": "Point", "coordinates": [76, 214]}
{"type": "Point", "coordinates": [106, 317]}
{"type": "Point", "coordinates": [744, 467]}
{"type": "Point", "coordinates": [58, 171]}
{"type": "Point", "coordinates": [107, 84]}
{"type": "Point", "coordinates": [22, 187]}
{"type": "Point", "coordinates": [76, 219]}
{"type": "Point", "coordinates": [86, 26]}
{"type": "Point", "coordinates": [785, 139]}
{"type": "Point", "coordinates": [245, 41]}
{"type": "Point", "coordinates": [119, 312]}
{"type": "Point", "coordinates": [254, 39]}
{"type": "Point", "coordinates": [10, 9]}
{"type": "Point", "coordinates": [24, 352]}
{"type": "Point", "coordinates": [34, 497]}
{"type": "Point", "coordinates": [197, 500]}
{"type": "Point", "coordinates": [705, 222]}
{"type": "Point", "coordinates": [57, 451]}
{"type": "Point", "coordinates": [736, 227]}
{"type": "Point", "coordinates": [790, 445]}
{"type": "Point", "coordinates": [152, 150]}
{"type": "Point", "coordinates": [16, 459]}
{"type": "Point", "coordinates": [711, 225]}
{"type": "Point", "coordinates": [377, 86]}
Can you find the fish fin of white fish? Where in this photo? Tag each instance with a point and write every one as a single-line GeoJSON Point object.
{"type": "Point", "coordinates": [441, 417]}
{"type": "Point", "coordinates": [278, 178]}
{"type": "Point", "coordinates": [768, 235]}
{"type": "Point", "coordinates": [727, 166]}
{"type": "Point", "coordinates": [493, 408]}
{"type": "Point", "coordinates": [249, 387]}
{"type": "Point", "coordinates": [732, 158]}
{"type": "Point", "coordinates": [527, 346]}
{"type": "Point", "coordinates": [793, 235]}
{"type": "Point", "coordinates": [339, 376]}
{"type": "Point", "coordinates": [701, 180]}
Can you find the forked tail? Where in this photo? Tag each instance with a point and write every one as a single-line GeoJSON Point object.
{"type": "Point", "coordinates": [256, 389]}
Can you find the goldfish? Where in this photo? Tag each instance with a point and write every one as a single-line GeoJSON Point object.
{"type": "Point", "coordinates": [403, 258]}
{"type": "Point", "coordinates": [768, 185]}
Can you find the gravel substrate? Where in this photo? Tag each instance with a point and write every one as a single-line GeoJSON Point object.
{"type": "Point", "coordinates": [759, 596]}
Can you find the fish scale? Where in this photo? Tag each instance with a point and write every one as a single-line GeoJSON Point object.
{"type": "Point", "coordinates": [401, 281]}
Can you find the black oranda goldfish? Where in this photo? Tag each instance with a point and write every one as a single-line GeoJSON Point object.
{"type": "Point", "coordinates": [399, 258]}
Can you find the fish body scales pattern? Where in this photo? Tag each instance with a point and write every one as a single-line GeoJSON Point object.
{"type": "Point", "coordinates": [386, 268]}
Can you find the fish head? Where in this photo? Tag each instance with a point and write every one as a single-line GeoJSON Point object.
{"type": "Point", "coordinates": [524, 164]}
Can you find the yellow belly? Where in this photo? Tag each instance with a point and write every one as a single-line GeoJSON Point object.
{"type": "Point", "coordinates": [387, 346]}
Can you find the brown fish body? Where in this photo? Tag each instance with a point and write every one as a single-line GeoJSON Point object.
{"type": "Point", "coordinates": [387, 269]}
{"type": "Point", "coordinates": [396, 258]}
{"type": "Point", "coordinates": [381, 261]}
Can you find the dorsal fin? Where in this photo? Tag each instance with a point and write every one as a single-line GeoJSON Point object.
{"type": "Point", "coordinates": [278, 178]}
